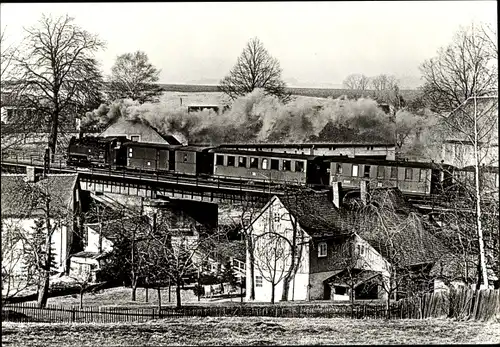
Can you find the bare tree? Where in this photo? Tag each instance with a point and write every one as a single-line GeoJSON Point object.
{"type": "Point", "coordinates": [16, 277]}
{"type": "Point", "coordinates": [134, 77]}
{"type": "Point", "coordinates": [466, 68]}
{"type": "Point", "coordinates": [247, 210]}
{"type": "Point", "coordinates": [398, 234]}
{"type": "Point", "coordinates": [176, 251]}
{"type": "Point", "coordinates": [84, 282]}
{"type": "Point", "coordinates": [356, 82]}
{"type": "Point", "coordinates": [461, 82]}
{"type": "Point", "coordinates": [56, 74]}
{"type": "Point", "coordinates": [272, 255]}
{"type": "Point", "coordinates": [255, 68]}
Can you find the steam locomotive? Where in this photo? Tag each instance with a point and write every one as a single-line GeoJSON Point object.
{"type": "Point", "coordinates": [119, 153]}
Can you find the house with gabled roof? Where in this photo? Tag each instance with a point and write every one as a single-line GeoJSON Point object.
{"type": "Point", "coordinates": [28, 200]}
{"type": "Point", "coordinates": [323, 236]}
{"type": "Point", "coordinates": [137, 131]}
{"type": "Point", "coordinates": [337, 250]}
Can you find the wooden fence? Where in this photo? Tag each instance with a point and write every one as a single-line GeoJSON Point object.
{"type": "Point", "coordinates": [458, 304]}
{"type": "Point", "coordinates": [461, 304]}
{"type": "Point", "coordinates": [31, 313]}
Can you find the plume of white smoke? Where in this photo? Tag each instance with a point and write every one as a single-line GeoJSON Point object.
{"type": "Point", "coordinates": [257, 117]}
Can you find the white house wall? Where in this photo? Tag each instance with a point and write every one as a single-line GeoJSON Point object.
{"type": "Point", "coordinates": [282, 226]}
{"type": "Point", "coordinates": [61, 241]}
{"type": "Point", "coordinates": [93, 241]}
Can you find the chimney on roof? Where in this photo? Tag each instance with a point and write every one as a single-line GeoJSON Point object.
{"type": "Point", "coordinates": [337, 187]}
{"type": "Point", "coordinates": [31, 174]}
{"type": "Point", "coordinates": [363, 186]}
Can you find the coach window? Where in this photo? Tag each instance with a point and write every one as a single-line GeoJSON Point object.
{"type": "Point", "coordinates": [367, 171]}
{"type": "Point", "coordinates": [275, 164]}
{"type": "Point", "coordinates": [264, 164]}
{"type": "Point", "coordinates": [254, 163]}
{"type": "Point", "coordinates": [287, 165]}
{"type": "Point", "coordinates": [380, 172]}
{"type": "Point", "coordinates": [354, 170]}
{"type": "Point", "coordinates": [299, 166]}
{"type": "Point", "coordinates": [242, 161]}
{"type": "Point", "coordinates": [339, 169]}
{"type": "Point", "coordinates": [394, 172]}
{"type": "Point", "coordinates": [219, 159]}
{"type": "Point", "coordinates": [129, 152]}
{"type": "Point", "coordinates": [231, 160]}
{"type": "Point", "coordinates": [408, 173]}
{"type": "Point", "coordinates": [185, 157]}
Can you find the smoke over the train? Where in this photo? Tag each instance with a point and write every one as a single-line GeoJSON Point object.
{"type": "Point", "coordinates": [258, 117]}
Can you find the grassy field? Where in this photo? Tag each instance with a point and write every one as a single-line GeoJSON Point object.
{"type": "Point", "coordinates": [251, 331]}
{"type": "Point", "coordinates": [311, 92]}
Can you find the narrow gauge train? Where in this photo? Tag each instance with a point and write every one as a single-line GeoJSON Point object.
{"type": "Point", "coordinates": [415, 178]}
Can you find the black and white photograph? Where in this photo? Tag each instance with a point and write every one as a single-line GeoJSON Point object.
{"type": "Point", "coordinates": [249, 173]}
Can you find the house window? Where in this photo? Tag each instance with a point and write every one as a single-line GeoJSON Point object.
{"type": "Point", "coordinates": [258, 281]}
{"type": "Point", "coordinates": [254, 163]}
{"type": "Point", "coordinates": [135, 138]}
{"type": "Point", "coordinates": [287, 165]}
{"type": "Point", "coordinates": [367, 171]}
{"type": "Point", "coordinates": [231, 160]}
{"type": "Point", "coordinates": [242, 161]}
{"type": "Point", "coordinates": [354, 170]}
{"type": "Point", "coordinates": [394, 172]}
{"type": "Point", "coordinates": [276, 217]}
{"type": "Point", "coordinates": [380, 172]}
{"type": "Point", "coordinates": [149, 163]}
{"type": "Point", "coordinates": [299, 166]}
{"type": "Point", "coordinates": [408, 173]}
{"type": "Point", "coordinates": [275, 164]}
{"type": "Point", "coordinates": [219, 159]}
{"type": "Point", "coordinates": [361, 249]}
{"type": "Point", "coordinates": [322, 249]}
{"type": "Point", "coordinates": [264, 164]}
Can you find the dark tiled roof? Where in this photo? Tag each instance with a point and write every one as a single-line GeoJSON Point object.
{"type": "Point", "coordinates": [317, 214]}
{"type": "Point", "coordinates": [402, 239]}
{"type": "Point", "coordinates": [390, 198]}
{"type": "Point", "coordinates": [25, 199]}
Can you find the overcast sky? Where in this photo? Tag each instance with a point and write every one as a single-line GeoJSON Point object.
{"type": "Point", "coordinates": [317, 43]}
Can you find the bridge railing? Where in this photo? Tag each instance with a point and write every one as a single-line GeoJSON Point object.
{"type": "Point", "coordinates": [219, 181]}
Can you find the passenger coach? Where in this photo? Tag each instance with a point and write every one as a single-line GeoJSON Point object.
{"type": "Point", "coordinates": [414, 178]}
{"type": "Point", "coordinates": [261, 166]}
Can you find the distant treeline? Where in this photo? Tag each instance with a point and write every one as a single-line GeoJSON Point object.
{"type": "Point", "coordinates": [407, 94]}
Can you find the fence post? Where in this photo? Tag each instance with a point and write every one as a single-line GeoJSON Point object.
{"type": "Point", "coordinates": [72, 314]}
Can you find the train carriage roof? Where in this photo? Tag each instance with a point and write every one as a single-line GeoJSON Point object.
{"type": "Point", "coordinates": [383, 162]}
{"type": "Point", "coordinates": [167, 146]}
{"type": "Point", "coordinates": [263, 154]}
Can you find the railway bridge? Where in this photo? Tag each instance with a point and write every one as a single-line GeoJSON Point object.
{"type": "Point", "coordinates": [180, 186]}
